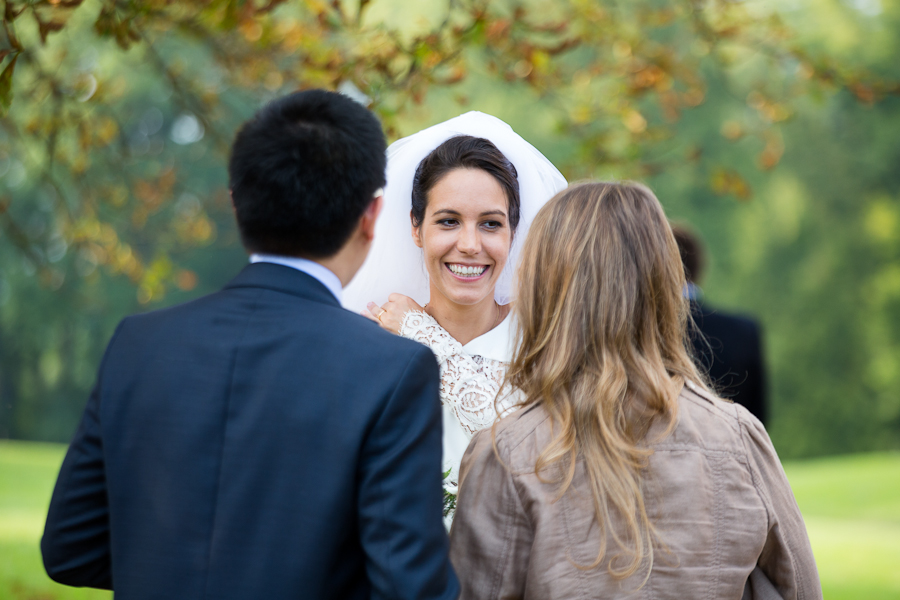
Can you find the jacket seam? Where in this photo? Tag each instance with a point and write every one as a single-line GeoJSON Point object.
{"type": "Point", "coordinates": [525, 436]}
{"type": "Point", "coordinates": [387, 552]}
{"type": "Point", "coordinates": [504, 553]}
{"type": "Point", "coordinates": [708, 402]}
{"type": "Point", "coordinates": [762, 495]}
{"type": "Point", "coordinates": [215, 506]}
{"type": "Point", "coordinates": [766, 502]}
{"type": "Point", "coordinates": [698, 449]}
{"type": "Point", "coordinates": [579, 575]}
{"type": "Point", "coordinates": [518, 504]}
{"type": "Point", "coordinates": [717, 520]}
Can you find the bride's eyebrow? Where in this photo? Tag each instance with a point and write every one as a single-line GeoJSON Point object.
{"type": "Point", "coordinates": [456, 213]}
{"type": "Point", "coordinates": [447, 211]}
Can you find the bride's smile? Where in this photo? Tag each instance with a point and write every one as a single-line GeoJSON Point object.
{"type": "Point", "coordinates": [465, 236]}
{"type": "Point", "coordinates": [467, 272]}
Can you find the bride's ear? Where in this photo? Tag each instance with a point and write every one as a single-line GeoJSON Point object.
{"type": "Point", "coordinates": [415, 231]}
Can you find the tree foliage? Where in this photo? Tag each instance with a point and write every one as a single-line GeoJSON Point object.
{"type": "Point", "coordinates": [119, 114]}
{"type": "Point", "coordinates": [616, 76]}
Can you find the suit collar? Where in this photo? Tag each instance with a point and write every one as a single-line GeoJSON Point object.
{"type": "Point", "coordinates": [284, 279]}
{"type": "Point", "coordinates": [322, 273]}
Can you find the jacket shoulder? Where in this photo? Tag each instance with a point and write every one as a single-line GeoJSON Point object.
{"type": "Point", "coordinates": [520, 435]}
{"type": "Point", "coordinates": [705, 422]}
{"type": "Point", "coordinates": [370, 339]}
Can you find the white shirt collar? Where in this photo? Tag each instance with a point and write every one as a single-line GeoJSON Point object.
{"type": "Point", "coordinates": [692, 291]}
{"type": "Point", "coordinates": [311, 268]}
{"type": "Point", "coordinates": [497, 344]}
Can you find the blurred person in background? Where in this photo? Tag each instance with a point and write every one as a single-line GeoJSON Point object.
{"type": "Point", "coordinates": [729, 347]}
{"type": "Point", "coordinates": [621, 473]}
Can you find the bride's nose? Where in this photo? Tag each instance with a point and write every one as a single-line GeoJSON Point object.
{"type": "Point", "coordinates": [469, 240]}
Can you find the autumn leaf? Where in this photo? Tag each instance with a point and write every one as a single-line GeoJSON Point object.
{"type": "Point", "coordinates": [727, 181]}
{"type": "Point", "coordinates": [46, 28]}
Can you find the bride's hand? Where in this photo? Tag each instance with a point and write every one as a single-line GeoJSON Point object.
{"type": "Point", "coordinates": [390, 315]}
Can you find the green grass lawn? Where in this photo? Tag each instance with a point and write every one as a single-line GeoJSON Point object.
{"type": "Point", "coordinates": [851, 505]}
{"type": "Point", "coordinates": [27, 474]}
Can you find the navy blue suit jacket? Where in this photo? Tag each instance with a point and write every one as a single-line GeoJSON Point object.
{"type": "Point", "coordinates": [730, 351]}
{"type": "Point", "coordinates": [259, 442]}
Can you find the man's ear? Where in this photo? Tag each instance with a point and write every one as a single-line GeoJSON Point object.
{"type": "Point", "coordinates": [369, 217]}
{"type": "Point", "coordinates": [415, 231]}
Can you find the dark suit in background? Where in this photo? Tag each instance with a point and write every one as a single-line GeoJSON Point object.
{"type": "Point", "coordinates": [258, 443]}
{"type": "Point", "coordinates": [730, 351]}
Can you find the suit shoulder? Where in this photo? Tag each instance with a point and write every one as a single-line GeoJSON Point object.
{"type": "Point", "coordinates": [746, 322]}
{"type": "Point", "coordinates": [174, 312]}
{"type": "Point", "coordinates": [742, 319]}
{"type": "Point", "coordinates": [152, 321]}
{"type": "Point", "coordinates": [373, 339]}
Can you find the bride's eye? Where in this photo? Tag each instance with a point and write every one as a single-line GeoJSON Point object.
{"type": "Point", "coordinates": [447, 222]}
{"type": "Point", "coordinates": [492, 225]}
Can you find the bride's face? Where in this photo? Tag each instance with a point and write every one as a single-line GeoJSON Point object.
{"type": "Point", "coordinates": [465, 236]}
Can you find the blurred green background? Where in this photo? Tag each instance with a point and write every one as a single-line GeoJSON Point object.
{"type": "Point", "coordinates": [770, 127]}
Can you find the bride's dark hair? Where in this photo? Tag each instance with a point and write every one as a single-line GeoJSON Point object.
{"type": "Point", "coordinates": [465, 152]}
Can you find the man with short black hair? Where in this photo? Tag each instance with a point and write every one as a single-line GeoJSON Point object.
{"type": "Point", "coordinates": [263, 442]}
{"type": "Point", "coordinates": [728, 347]}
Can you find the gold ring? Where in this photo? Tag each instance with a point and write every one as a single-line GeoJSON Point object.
{"type": "Point", "coordinates": [381, 314]}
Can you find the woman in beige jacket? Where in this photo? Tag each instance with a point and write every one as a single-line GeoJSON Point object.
{"type": "Point", "coordinates": [621, 476]}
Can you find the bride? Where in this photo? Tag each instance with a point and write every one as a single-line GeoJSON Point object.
{"type": "Point", "coordinates": [468, 189]}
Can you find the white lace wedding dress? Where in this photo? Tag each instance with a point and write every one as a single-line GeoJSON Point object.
{"type": "Point", "coordinates": [471, 376]}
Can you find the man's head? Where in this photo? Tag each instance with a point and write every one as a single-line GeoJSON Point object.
{"type": "Point", "coordinates": [303, 174]}
{"type": "Point", "coordinates": [693, 256]}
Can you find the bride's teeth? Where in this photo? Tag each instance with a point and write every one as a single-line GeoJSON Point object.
{"type": "Point", "coordinates": [466, 271]}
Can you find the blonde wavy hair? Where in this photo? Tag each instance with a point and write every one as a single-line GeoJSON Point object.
{"type": "Point", "coordinates": [602, 346]}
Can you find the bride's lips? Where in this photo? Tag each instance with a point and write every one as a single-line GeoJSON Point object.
{"type": "Point", "coordinates": [468, 278]}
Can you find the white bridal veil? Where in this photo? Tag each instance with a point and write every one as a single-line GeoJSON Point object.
{"type": "Point", "coordinates": [395, 263]}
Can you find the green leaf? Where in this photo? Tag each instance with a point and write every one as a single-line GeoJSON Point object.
{"type": "Point", "coordinates": [449, 503]}
{"type": "Point", "coordinates": [6, 86]}
{"type": "Point", "coordinates": [449, 499]}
